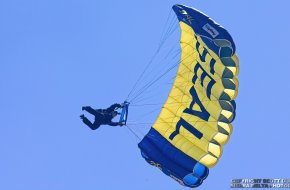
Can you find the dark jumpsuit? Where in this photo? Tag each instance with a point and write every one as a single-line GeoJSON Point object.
{"type": "Point", "coordinates": [102, 116]}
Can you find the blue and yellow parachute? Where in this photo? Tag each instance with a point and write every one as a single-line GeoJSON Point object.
{"type": "Point", "coordinates": [195, 121]}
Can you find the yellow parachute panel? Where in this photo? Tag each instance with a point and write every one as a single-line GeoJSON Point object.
{"type": "Point", "coordinates": [205, 150]}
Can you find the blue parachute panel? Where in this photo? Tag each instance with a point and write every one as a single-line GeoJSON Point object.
{"type": "Point", "coordinates": [157, 151]}
{"type": "Point", "coordinates": [207, 29]}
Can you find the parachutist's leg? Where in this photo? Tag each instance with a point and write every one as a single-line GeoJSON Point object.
{"type": "Point", "coordinates": [88, 123]}
{"type": "Point", "coordinates": [90, 110]}
{"type": "Point", "coordinates": [113, 107]}
{"type": "Point", "coordinates": [95, 126]}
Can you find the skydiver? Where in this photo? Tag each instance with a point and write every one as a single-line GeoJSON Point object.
{"type": "Point", "coordinates": [102, 116]}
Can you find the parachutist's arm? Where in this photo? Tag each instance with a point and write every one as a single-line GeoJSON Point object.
{"type": "Point", "coordinates": [113, 107]}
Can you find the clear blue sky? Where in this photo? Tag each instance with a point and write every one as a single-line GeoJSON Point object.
{"type": "Point", "coordinates": [57, 55]}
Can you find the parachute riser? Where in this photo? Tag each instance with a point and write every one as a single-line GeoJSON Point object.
{"type": "Point", "coordinates": [124, 113]}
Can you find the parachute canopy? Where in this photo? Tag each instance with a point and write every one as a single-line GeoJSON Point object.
{"type": "Point", "coordinates": [195, 121]}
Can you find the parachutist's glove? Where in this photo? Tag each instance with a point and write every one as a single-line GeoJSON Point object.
{"type": "Point", "coordinates": [121, 124]}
